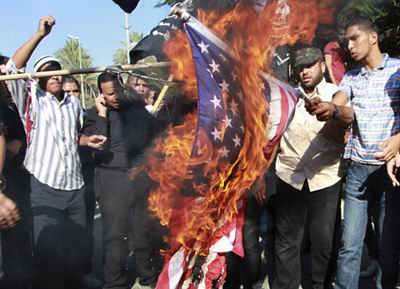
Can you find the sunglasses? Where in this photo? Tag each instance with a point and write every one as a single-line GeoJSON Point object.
{"type": "Point", "coordinates": [72, 91]}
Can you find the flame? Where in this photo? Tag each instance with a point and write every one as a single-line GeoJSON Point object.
{"type": "Point", "coordinates": [252, 38]}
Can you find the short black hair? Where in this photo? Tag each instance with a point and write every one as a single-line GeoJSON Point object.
{"type": "Point", "coordinates": [363, 23]}
{"type": "Point", "coordinates": [4, 59]}
{"type": "Point", "coordinates": [70, 79]}
{"type": "Point", "coordinates": [139, 74]}
{"type": "Point", "coordinates": [106, 77]}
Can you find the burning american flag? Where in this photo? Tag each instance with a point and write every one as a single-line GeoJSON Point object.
{"type": "Point", "coordinates": [217, 144]}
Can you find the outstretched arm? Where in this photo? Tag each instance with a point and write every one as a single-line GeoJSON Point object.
{"type": "Point", "coordinates": [336, 109]}
{"type": "Point", "coordinates": [22, 55]}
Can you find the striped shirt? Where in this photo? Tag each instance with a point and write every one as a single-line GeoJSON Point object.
{"type": "Point", "coordinates": [52, 155]}
{"type": "Point", "coordinates": [375, 99]}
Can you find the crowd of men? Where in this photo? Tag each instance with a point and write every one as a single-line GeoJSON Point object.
{"type": "Point", "coordinates": [59, 160]}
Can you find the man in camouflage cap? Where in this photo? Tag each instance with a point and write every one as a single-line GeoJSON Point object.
{"type": "Point", "coordinates": [308, 170]}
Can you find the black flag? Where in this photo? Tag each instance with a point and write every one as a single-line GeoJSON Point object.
{"type": "Point", "coordinates": [153, 43]}
{"type": "Point", "coordinates": [127, 5]}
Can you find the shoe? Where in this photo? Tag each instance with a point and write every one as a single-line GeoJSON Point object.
{"type": "Point", "coordinates": [370, 270]}
{"type": "Point", "coordinates": [137, 285]}
{"type": "Point", "coordinates": [90, 281]}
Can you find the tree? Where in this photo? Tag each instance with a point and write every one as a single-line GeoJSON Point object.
{"type": "Point", "coordinates": [119, 57]}
{"type": "Point", "coordinates": [69, 58]}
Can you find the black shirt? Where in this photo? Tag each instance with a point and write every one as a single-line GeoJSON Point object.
{"type": "Point", "coordinates": [129, 131]}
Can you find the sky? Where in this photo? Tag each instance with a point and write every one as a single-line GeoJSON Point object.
{"type": "Point", "coordinates": [99, 24]}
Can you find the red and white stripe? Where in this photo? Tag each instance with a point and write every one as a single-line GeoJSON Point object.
{"type": "Point", "coordinates": [177, 271]}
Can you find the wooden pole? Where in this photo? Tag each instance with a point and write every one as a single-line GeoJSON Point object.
{"type": "Point", "coordinates": [161, 96]}
{"type": "Point", "coordinates": [83, 70]}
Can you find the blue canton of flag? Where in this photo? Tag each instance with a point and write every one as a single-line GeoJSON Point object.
{"type": "Point", "coordinates": [220, 129]}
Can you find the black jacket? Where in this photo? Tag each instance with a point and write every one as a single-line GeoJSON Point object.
{"type": "Point", "coordinates": [129, 131]}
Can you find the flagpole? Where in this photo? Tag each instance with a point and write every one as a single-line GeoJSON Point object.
{"type": "Point", "coordinates": [128, 42]}
{"type": "Point", "coordinates": [98, 69]}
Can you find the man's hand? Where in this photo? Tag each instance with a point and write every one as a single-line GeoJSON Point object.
{"type": "Point", "coordinates": [390, 148]}
{"type": "Point", "coordinates": [258, 190]}
{"type": "Point", "coordinates": [311, 104]}
{"type": "Point", "coordinates": [93, 141]}
{"type": "Point", "coordinates": [392, 167]}
{"type": "Point", "coordinates": [100, 104]}
{"type": "Point", "coordinates": [9, 214]}
{"type": "Point", "coordinates": [321, 109]}
{"type": "Point", "coordinates": [46, 23]}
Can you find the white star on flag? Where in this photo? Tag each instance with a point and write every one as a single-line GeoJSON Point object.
{"type": "Point", "coordinates": [236, 140]}
{"type": "Point", "coordinates": [216, 134]}
{"type": "Point", "coordinates": [203, 47]}
{"type": "Point", "coordinates": [216, 101]}
{"type": "Point", "coordinates": [224, 85]}
{"type": "Point", "coordinates": [228, 121]}
{"type": "Point", "coordinates": [224, 152]}
{"type": "Point", "coordinates": [214, 66]}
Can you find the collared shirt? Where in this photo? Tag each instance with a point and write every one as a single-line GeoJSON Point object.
{"type": "Point", "coordinates": [375, 98]}
{"type": "Point", "coordinates": [52, 155]}
{"type": "Point", "coordinates": [129, 131]}
{"type": "Point", "coordinates": [308, 150]}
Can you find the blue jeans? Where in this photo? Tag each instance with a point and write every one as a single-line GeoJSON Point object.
{"type": "Point", "coordinates": [365, 184]}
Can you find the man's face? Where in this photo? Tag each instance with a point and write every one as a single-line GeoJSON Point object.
{"type": "Point", "coordinates": [52, 84]}
{"type": "Point", "coordinates": [72, 89]}
{"type": "Point", "coordinates": [360, 42]}
{"type": "Point", "coordinates": [311, 74]}
{"type": "Point", "coordinates": [140, 86]}
{"type": "Point", "coordinates": [112, 91]}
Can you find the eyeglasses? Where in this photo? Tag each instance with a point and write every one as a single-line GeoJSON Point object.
{"type": "Point", "coordinates": [72, 91]}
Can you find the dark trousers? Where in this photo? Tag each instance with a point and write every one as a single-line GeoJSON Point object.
{"type": "Point", "coordinates": [113, 192]}
{"type": "Point", "coordinates": [147, 237]}
{"type": "Point", "coordinates": [17, 242]}
{"type": "Point", "coordinates": [246, 270]}
{"type": "Point", "coordinates": [60, 236]}
{"type": "Point", "coordinates": [389, 245]}
{"type": "Point", "coordinates": [297, 211]}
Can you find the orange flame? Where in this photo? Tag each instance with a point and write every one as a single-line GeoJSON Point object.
{"type": "Point", "coordinates": [252, 38]}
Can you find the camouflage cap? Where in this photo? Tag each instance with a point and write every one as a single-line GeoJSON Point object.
{"type": "Point", "coordinates": [307, 55]}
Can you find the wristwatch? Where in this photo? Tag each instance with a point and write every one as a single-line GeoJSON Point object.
{"type": "Point", "coordinates": [336, 112]}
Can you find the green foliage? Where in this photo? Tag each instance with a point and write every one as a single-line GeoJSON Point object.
{"type": "Point", "coordinates": [166, 2]}
{"type": "Point", "coordinates": [69, 58]}
{"type": "Point", "coordinates": [119, 57]}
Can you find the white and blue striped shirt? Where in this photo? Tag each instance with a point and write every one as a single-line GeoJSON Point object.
{"type": "Point", "coordinates": [52, 155]}
{"type": "Point", "coordinates": [375, 98]}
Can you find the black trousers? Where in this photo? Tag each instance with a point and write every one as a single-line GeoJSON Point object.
{"type": "Point", "coordinates": [114, 192]}
{"type": "Point", "coordinates": [60, 236]}
{"type": "Point", "coordinates": [297, 212]}
{"type": "Point", "coordinates": [147, 234]}
{"type": "Point", "coordinates": [246, 271]}
{"type": "Point", "coordinates": [17, 242]}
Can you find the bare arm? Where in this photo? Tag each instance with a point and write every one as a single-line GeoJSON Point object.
{"type": "Point", "coordinates": [328, 62]}
{"type": "Point", "coordinates": [336, 109]}
{"type": "Point", "coordinates": [22, 55]}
